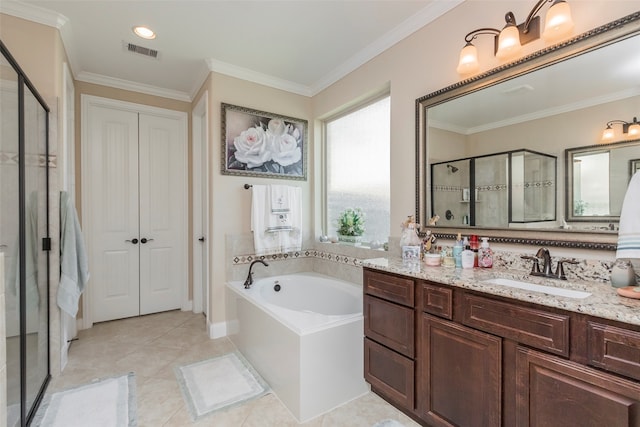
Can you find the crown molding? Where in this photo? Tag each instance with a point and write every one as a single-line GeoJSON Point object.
{"type": "Point", "coordinates": [99, 79]}
{"type": "Point", "coordinates": [561, 109]}
{"type": "Point", "coordinates": [33, 13]}
{"type": "Point", "coordinates": [256, 77]}
{"type": "Point", "coordinates": [417, 21]}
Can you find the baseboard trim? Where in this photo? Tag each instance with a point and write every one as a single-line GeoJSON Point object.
{"type": "Point", "coordinates": [217, 330]}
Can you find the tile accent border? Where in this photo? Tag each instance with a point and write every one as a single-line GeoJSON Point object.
{"type": "Point", "coordinates": [304, 253]}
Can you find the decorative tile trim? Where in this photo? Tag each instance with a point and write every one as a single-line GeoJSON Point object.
{"type": "Point", "coordinates": [304, 253]}
{"type": "Point", "coordinates": [11, 158]}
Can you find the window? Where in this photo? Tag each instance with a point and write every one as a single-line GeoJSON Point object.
{"type": "Point", "coordinates": [357, 168]}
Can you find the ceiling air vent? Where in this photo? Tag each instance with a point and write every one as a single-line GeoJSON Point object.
{"type": "Point", "coordinates": [142, 50]}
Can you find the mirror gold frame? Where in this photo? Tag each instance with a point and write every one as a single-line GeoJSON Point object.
{"type": "Point", "coordinates": [612, 32]}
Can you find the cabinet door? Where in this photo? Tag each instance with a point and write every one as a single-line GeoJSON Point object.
{"type": "Point", "coordinates": [390, 324]}
{"type": "Point", "coordinates": [460, 379]}
{"type": "Point", "coordinates": [389, 373]}
{"type": "Point", "coordinates": [555, 392]}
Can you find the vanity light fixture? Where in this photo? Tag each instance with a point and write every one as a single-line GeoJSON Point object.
{"type": "Point", "coordinates": [144, 32]}
{"type": "Point", "coordinates": [509, 40]}
{"type": "Point", "coordinates": [632, 129]}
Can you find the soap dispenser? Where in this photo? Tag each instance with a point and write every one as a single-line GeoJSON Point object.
{"type": "Point", "coordinates": [485, 254]}
{"type": "Point", "coordinates": [468, 257]}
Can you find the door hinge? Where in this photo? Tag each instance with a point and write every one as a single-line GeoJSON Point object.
{"type": "Point", "coordinates": [46, 243]}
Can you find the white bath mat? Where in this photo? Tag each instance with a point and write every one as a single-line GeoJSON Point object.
{"type": "Point", "coordinates": [219, 383]}
{"type": "Point", "coordinates": [388, 423]}
{"type": "Point", "coordinates": [110, 402]}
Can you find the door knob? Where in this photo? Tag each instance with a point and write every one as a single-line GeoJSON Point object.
{"type": "Point", "coordinates": [145, 240]}
{"type": "Point", "coordinates": [134, 241]}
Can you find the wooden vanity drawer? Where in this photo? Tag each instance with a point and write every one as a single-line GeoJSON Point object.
{"type": "Point", "coordinates": [389, 324]}
{"type": "Point", "coordinates": [390, 373]}
{"type": "Point", "coordinates": [391, 288]}
{"type": "Point", "coordinates": [437, 300]}
{"type": "Point", "coordinates": [614, 349]}
{"type": "Point", "coordinates": [536, 328]}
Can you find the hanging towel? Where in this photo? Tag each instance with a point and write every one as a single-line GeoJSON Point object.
{"type": "Point", "coordinates": [74, 267]}
{"type": "Point", "coordinates": [279, 199]}
{"type": "Point", "coordinates": [32, 295]}
{"type": "Point", "coordinates": [629, 232]}
{"type": "Point", "coordinates": [275, 233]}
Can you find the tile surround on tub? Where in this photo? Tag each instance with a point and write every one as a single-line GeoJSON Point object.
{"type": "Point", "coordinates": [345, 261]}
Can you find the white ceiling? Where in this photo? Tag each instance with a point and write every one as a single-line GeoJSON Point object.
{"type": "Point", "coordinates": [301, 46]}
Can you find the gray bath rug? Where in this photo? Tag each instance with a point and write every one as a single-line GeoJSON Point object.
{"type": "Point", "coordinates": [219, 383]}
{"type": "Point", "coordinates": [106, 402]}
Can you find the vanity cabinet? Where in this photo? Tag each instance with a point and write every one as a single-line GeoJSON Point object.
{"type": "Point", "coordinates": [389, 343]}
{"type": "Point", "coordinates": [449, 356]}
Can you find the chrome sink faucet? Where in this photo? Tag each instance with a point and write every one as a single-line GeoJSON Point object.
{"type": "Point", "coordinates": [249, 281]}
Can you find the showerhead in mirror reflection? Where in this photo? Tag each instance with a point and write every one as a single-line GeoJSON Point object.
{"type": "Point", "coordinates": [550, 101]}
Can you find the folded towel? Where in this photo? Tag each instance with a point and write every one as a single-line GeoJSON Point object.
{"type": "Point", "coordinates": [629, 232]}
{"type": "Point", "coordinates": [279, 232]}
{"type": "Point", "coordinates": [279, 199]}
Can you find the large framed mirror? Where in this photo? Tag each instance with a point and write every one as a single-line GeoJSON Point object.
{"type": "Point", "coordinates": [546, 103]}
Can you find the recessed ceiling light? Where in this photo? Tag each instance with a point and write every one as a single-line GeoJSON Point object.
{"type": "Point", "coordinates": [144, 32]}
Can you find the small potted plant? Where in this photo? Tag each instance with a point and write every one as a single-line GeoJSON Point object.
{"type": "Point", "coordinates": [351, 225]}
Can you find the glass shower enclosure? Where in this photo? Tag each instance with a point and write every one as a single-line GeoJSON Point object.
{"type": "Point", "coordinates": [497, 190]}
{"type": "Point", "coordinates": [24, 240]}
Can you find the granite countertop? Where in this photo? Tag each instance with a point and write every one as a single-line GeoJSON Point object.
{"type": "Point", "coordinates": [603, 302]}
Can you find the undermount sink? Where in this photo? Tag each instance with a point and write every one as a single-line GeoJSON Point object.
{"type": "Point", "coordinates": [551, 290]}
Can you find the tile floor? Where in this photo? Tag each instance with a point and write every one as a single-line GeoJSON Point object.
{"type": "Point", "coordinates": [151, 346]}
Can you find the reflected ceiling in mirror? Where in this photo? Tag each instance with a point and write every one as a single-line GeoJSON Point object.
{"type": "Point", "coordinates": [553, 100]}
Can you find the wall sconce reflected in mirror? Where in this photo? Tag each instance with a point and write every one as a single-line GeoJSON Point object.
{"type": "Point", "coordinates": [509, 40]}
{"type": "Point", "coordinates": [632, 129]}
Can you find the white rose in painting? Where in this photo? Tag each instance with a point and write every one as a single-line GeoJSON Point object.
{"type": "Point", "coordinates": [277, 127]}
{"type": "Point", "coordinates": [252, 147]}
{"type": "Point", "coordinates": [285, 150]}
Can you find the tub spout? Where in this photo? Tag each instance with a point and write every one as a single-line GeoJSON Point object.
{"type": "Point", "coordinates": [249, 281]}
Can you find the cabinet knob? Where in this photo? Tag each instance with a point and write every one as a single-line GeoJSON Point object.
{"type": "Point", "coordinates": [134, 241]}
{"type": "Point", "coordinates": [145, 240]}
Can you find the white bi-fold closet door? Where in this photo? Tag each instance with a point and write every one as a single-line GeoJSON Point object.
{"type": "Point", "coordinates": [134, 208]}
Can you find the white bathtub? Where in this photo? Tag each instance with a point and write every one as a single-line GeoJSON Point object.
{"type": "Point", "coordinates": [305, 340]}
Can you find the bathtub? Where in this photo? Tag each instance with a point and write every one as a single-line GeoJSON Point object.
{"type": "Point", "coordinates": [305, 339]}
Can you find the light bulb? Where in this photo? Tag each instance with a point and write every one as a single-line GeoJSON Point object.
{"type": "Point", "coordinates": [608, 134]}
{"type": "Point", "coordinates": [144, 32]}
{"type": "Point", "coordinates": [468, 62]}
{"type": "Point", "coordinates": [508, 42]}
{"type": "Point", "coordinates": [558, 22]}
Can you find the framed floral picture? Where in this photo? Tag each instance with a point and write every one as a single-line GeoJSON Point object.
{"type": "Point", "coordinates": [261, 144]}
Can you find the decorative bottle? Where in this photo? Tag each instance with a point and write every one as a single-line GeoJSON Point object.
{"type": "Point", "coordinates": [485, 254]}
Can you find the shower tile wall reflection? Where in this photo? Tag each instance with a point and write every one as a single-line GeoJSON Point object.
{"type": "Point", "coordinates": [451, 193]}
{"type": "Point", "coordinates": [497, 190]}
{"type": "Point", "coordinates": [492, 184]}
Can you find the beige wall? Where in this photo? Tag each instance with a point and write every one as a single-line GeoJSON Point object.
{"type": "Point", "coordinates": [426, 61]}
{"type": "Point", "coordinates": [230, 203]}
